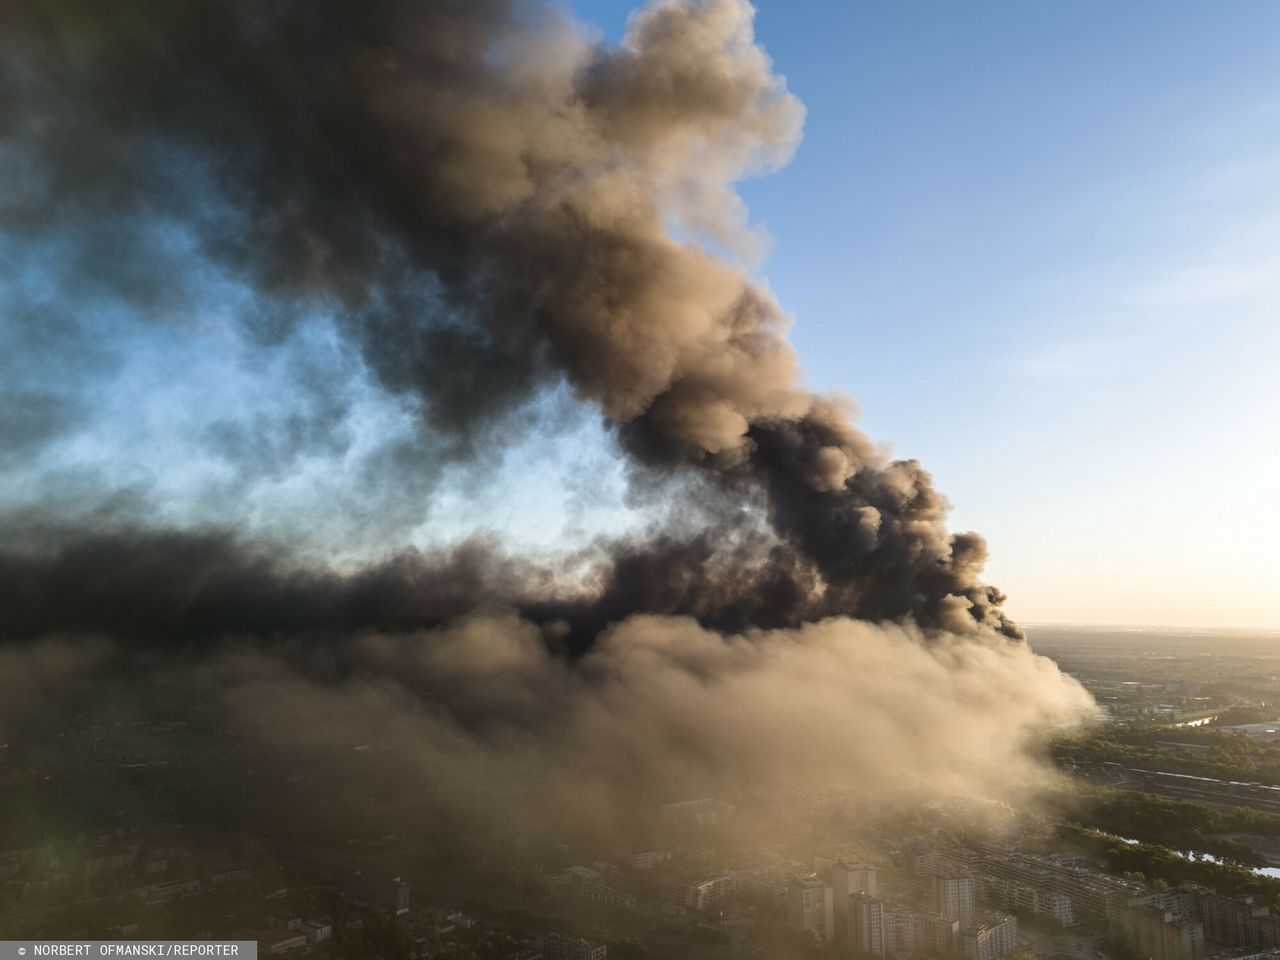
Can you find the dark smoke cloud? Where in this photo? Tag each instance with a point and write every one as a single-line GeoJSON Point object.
{"type": "Point", "coordinates": [483, 200]}
{"type": "Point", "coordinates": [169, 588]}
{"type": "Point", "coordinates": [175, 587]}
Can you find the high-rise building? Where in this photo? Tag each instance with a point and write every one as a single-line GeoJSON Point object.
{"type": "Point", "coordinates": [1160, 925]}
{"type": "Point", "coordinates": [953, 898]}
{"type": "Point", "coordinates": [1057, 886]}
{"type": "Point", "coordinates": [864, 924]}
{"type": "Point", "coordinates": [907, 930]}
{"type": "Point", "coordinates": [991, 940]}
{"type": "Point", "coordinates": [936, 934]}
{"type": "Point", "coordinates": [388, 894]}
{"type": "Point", "coordinates": [809, 906]}
{"type": "Point", "coordinates": [849, 878]}
{"type": "Point", "coordinates": [899, 927]}
{"type": "Point", "coordinates": [1236, 921]}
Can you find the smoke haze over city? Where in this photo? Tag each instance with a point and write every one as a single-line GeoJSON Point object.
{"type": "Point", "coordinates": [409, 239]}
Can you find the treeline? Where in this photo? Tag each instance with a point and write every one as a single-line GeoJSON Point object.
{"type": "Point", "coordinates": [1232, 756]}
{"type": "Point", "coordinates": [1180, 824]}
{"type": "Point", "coordinates": [1153, 863]}
{"type": "Point", "coordinates": [1245, 713]}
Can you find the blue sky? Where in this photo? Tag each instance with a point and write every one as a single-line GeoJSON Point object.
{"type": "Point", "coordinates": [1040, 244]}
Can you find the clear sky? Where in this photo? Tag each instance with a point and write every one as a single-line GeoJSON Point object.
{"type": "Point", "coordinates": [1040, 244]}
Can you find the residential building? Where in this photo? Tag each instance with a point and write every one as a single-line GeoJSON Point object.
{"type": "Point", "coordinates": [388, 894]}
{"type": "Point", "coordinates": [937, 934]}
{"type": "Point", "coordinates": [1236, 921]}
{"type": "Point", "coordinates": [641, 859]}
{"type": "Point", "coordinates": [169, 890]}
{"type": "Point", "coordinates": [235, 873]}
{"type": "Point", "coordinates": [559, 946]}
{"type": "Point", "coordinates": [274, 941]}
{"type": "Point", "coordinates": [603, 895]}
{"type": "Point", "coordinates": [1058, 886]}
{"type": "Point", "coordinates": [864, 924]}
{"type": "Point", "coordinates": [953, 898]}
{"type": "Point", "coordinates": [846, 879]}
{"type": "Point", "coordinates": [809, 906]}
{"type": "Point", "coordinates": [318, 931]}
{"type": "Point", "coordinates": [990, 940]}
{"type": "Point", "coordinates": [1158, 925]}
{"type": "Point", "coordinates": [696, 894]}
{"type": "Point", "coordinates": [899, 926]}
{"type": "Point", "coordinates": [585, 874]}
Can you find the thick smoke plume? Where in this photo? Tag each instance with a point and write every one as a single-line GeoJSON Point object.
{"type": "Point", "coordinates": [486, 202]}
{"type": "Point", "coordinates": [487, 206]}
{"type": "Point", "coordinates": [660, 709]}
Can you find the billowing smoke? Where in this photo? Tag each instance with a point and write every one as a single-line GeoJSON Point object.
{"type": "Point", "coordinates": [455, 721]}
{"type": "Point", "coordinates": [483, 206]}
{"type": "Point", "coordinates": [486, 202]}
